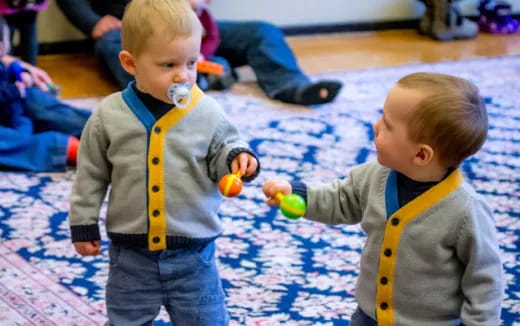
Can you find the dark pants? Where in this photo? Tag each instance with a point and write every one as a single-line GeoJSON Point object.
{"type": "Point", "coordinates": [45, 149]}
{"type": "Point", "coordinates": [263, 47]}
{"type": "Point", "coordinates": [25, 23]}
{"type": "Point", "coordinates": [257, 44]}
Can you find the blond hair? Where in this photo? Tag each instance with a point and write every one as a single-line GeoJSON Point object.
{"type": "Point", "coordinates": [452, 117]}
{"type": "Point", "coordinates": [143, 19]}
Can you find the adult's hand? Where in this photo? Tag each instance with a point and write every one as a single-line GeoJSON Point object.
{"type": "Point", "coordinates": [104, 25]}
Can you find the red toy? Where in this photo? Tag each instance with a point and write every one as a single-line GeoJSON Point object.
{"type": "Point", "coordinates": [208, 67]}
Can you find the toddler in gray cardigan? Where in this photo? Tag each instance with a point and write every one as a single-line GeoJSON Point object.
{"type": "Point", "coordinates": [162, 145]}
{"type": "Point", "coordinates": [431, 256]}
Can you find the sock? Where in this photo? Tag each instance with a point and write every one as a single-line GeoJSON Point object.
{"type": "Point", "coordinates": [72, 150]}
{"type": "Point", "coordinates": [320, 92]}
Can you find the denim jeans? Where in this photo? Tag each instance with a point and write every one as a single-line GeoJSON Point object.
{"type": "Point", "coordinates": [185, 282]}
{"type": "Point", "coordinates": [107, 48]}
{"type": "Point", "coordinates": [45, 148]}
{"type": "Point", "coordinates": [359, 318]}
{"type": "Point", "coordinates": [257, 44]}
{"type": "Point", "coordinates": [263, 47]}
{"type": "Point", "coordinates": [25, 23]}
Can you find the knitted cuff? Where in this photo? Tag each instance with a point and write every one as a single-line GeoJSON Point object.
{"type": "Point", "coordinates": [234, 153]}
{"type": "Point", "coordinates": [299, 188]}
{"type": "Point", "coordinates": [84, 233]}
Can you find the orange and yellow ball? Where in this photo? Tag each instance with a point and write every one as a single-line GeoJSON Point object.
{"type": "Point", "coordinates": [230, 185]}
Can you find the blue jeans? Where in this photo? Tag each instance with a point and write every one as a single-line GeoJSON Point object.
{"type": "Point", "coordinates": [257, 44]}
{"type": "Point", "coordinates": [107, 48]}
{"type": "Point", "coordinates": [25, 23]}
{"type": "Point", "coordinates": [185, 282]}
{"type": "Point", "coordinates": [263, 47]}
{"type": "Point", "coordinates": [45, 148]}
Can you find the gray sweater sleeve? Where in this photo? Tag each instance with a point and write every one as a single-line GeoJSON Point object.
{"type": "Point", "coordinates": [482, 280]}
{"type": "Point", "coordinates": [226, 138]}
{"type": "Point", "coordinates": [334, 203]}
{"type": "Point", "coordinates": [91, 183]}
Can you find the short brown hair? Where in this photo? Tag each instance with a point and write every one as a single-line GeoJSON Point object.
{"type": "Point", "coordinates": [147, 18]}
{"type": "Point", "coordinates": [452, 117]}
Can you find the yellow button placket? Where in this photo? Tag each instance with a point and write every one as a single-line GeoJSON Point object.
{"type": "Point", "coordinates": [395, 226]}
{"type": "Point", "coordinates": [157, 218]}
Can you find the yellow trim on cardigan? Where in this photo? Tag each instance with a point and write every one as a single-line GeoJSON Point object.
{"type": "Point", "coordinates": [156, 202]}
{"type": "Point", "coordinates": [385, 317]}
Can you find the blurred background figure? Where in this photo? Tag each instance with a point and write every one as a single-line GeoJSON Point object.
{"type": "Point", "coordinates": [443, 21]}
{"type": "Point", "coordinates": [21, 15]}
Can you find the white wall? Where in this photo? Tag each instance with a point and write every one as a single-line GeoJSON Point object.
{"type": "Point", "coordinates": [52, 26]}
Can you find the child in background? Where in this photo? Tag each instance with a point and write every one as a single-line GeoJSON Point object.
{"type": "Point", "coordinates": [208, 47]}
{"type": "Point", "coordinates": [21, 16]}
{"type": "Point", "coordinates": [431, 256]}
{"type": "Point", "coordinates": [162, 145]}
{"type": "Point", "coordinates": [37, 132]}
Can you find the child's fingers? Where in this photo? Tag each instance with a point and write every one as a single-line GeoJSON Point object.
{"type": "Point", "coordinates": [21, 88]}
{"type": "Point", "coordinates": [252, 166]}
{"type": "Point", "coordinates": [243, 160]}
{"type": "Point", "coordinates": [234, 166]}
{"type": "Point", "coordinates": [27, 79]}
{"type": "Point", "coordinates": [269, 188]}
{"type": "Point", "coordinates": [273, 202]}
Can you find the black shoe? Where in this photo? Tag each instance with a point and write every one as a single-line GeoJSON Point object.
{"type": "Point", "coordinates": [224, 81]}
{"type": "Point", "coordinates": [320, 92]}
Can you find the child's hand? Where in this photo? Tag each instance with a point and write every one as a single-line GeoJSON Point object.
{"type": "Point", "coordinates": [272, 187]}
{"type": "Point", "coordinates": [36, 77]}
{"type": "Point", "coordinates": [21, 88]}
{"type": "Point", "coordinates": [88, 248]}
{"type": "Point", "coordinates": [245, 163]}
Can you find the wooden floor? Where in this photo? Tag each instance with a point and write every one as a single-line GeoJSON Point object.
{"type": "Point", "coordinates": [80, 75]}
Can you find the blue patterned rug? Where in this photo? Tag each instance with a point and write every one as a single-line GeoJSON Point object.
{"type": "Point", "coordinates": [275, 271]}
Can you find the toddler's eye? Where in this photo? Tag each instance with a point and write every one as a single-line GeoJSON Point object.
{"type": "Point", "coordinates": [167, 65]}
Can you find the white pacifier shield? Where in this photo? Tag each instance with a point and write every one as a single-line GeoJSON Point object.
{"type": "Point", "coordinates": [178, 92]}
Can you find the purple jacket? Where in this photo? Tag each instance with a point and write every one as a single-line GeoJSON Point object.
{"type": "Point", "coordinates": [9, 7]}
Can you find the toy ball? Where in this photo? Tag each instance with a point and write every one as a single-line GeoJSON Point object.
{"type": "Point", "coordinates": [230, 185]}
{"type": "Point", "coordinates": [293, 206]}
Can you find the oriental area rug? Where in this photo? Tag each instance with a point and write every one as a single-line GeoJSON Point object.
{"type": "Point", "coordinates": [275, 271]}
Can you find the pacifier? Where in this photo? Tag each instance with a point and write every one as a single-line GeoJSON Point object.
{"type": "Point", "coordinates": [178, 92]}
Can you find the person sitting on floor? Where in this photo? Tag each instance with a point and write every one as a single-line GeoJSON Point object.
{"type": "Point", "coordinates": [37, 131]}
{"type": "Point", "coordinates": [260, 45]}
{"type": "Point", "coordinates": [208, 47]}
{"type": "Point", "coordinates": [442, 21]}
{"type": "Point", "coordinates": [21, 16]}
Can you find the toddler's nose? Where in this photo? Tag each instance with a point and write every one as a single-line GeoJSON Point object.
{"type": "Point", "coordinates": [180, 77]}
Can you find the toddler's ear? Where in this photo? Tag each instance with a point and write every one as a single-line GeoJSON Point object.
{"type": "Point", "coordinates": [127, 62]}
{"type": "Point", "coordinates": [424, 155]}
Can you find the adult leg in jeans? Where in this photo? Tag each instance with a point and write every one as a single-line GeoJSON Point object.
{"type": "Point", "coordinates": [107, 48]}
{"type": "Point", "coordinates": [262, 46]}
{"type": "Point", "coordinates": [50, 114]}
